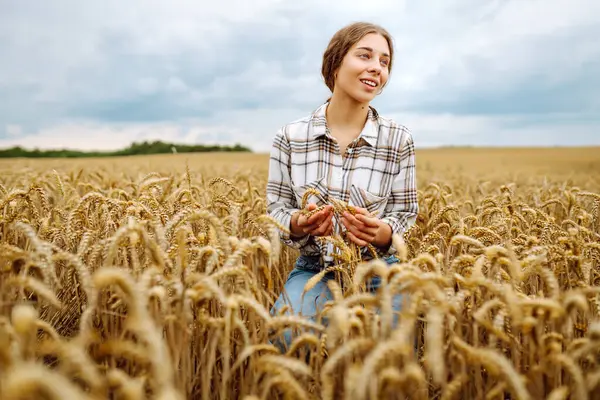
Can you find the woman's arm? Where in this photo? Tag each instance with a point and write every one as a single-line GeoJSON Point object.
{"type": "Point", "coordinates": [281, 200]}
{"type": "Point", "coordinates": [403, 207]}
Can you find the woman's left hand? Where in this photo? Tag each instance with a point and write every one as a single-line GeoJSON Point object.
{"type": "Point", "coordinates": [362, 228]}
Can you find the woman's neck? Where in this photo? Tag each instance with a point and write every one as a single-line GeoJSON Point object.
{"type": "Point", "coordinates": [346, 115]}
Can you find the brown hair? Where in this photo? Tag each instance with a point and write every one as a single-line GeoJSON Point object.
{"type": "Point", "coordinates": [342, 41]}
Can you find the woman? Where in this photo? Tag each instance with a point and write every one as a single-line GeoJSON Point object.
{"type": "Point", "coordinates": [344, 150]}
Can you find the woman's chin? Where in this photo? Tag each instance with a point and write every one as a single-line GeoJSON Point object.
{"type": "Point", "coordinates": [360, 96]}
{"type": "Point", "coordinates": [364, 98]}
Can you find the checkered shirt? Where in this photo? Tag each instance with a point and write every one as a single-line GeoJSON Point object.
{"type": "Point", "coordinates": [377, 173]}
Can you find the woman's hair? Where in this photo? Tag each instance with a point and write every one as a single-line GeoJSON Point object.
{"type": "Point", "coordinates": [342, 41]}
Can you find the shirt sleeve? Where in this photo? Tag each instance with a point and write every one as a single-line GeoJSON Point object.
{"type": "Point", "coordinates": [402, 207]}
{"type": "Point", "coordinates": [281, 200]}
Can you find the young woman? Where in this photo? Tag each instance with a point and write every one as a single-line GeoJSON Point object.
{"type": "Point", "coordinates": [344, 150]}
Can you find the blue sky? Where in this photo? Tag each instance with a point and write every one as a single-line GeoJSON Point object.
{"type": "Point", "coordinates": [100, 75]}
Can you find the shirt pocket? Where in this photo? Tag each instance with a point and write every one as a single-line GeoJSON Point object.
{"type": "Point", "coordinates": [319, 199]}
{"type": "Point", "coordinates": [362, 198]}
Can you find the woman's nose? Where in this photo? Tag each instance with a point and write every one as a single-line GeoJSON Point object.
{"type": "Point", "coordinates": [375, 67]}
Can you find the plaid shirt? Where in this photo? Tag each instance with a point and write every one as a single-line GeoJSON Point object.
{"type": "Point", "coordinates": [377, 173]}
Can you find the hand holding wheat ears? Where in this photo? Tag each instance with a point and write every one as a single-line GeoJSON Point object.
{"type": "Point", "coordinates": [317, 223]}
{"type": "Point", "coordinates": [362, 227]}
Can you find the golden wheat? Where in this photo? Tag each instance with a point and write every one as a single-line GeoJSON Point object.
{"type": "Point", "coordinates": [155, 281]}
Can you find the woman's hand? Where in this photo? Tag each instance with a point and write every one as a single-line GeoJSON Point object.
{"type": "Point", "coordinates": [318, 224]}
{"type": "Point", "coordinates": [362, 228]}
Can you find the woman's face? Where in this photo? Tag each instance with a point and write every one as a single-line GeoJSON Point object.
{"type": "Point", "coordinates": [364, 69]}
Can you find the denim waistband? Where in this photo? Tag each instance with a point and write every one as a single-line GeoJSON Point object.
{"type": "Point", "coordinates": [315, 263]}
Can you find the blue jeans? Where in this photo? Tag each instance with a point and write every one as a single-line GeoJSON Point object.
{"type": "Point", "coordinates": [305, 268]}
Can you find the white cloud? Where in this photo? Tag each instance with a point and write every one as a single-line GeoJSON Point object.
{"type": "Point", "coordinates": [13, 130]}
{"type": "Point", "coordinates": [432, 130]}
{"type": "Point", "coordinates": [91, 136]}
{"type": "Point", "coordinates": [254, 129]}
{"type": "Point", "coordinates": [99, 73]}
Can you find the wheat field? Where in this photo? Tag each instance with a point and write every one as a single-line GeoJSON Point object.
{"type": "Point", "coordinates": [152, 277]}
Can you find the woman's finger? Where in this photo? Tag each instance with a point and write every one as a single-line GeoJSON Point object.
{"type": "Point", "coordinates": [324, 228]}
{"type": "Point", "coordinates": [318, 222]}
{"type": "Point", "coordinates": [319, 217]}
{"type": "Point", "coordinates": [356, 240]}
{"type": "Point", "coordinates": [309, 228]}
{"type": "Point", "coordinates": [354, 221]}
{"type": "Point", "coordinates": [308, 221]}
{"type": "Point", "coordinates": [367, 235]}
{"type": "Point", "coordinates": [318, 230]}
{"type": "Point", "coordinates": [362, 211]}
{"type": "Point", "coordinates": [367, 221]}
{"type": "Point", "coordinates": [361, 227]}
{"type": "Point", "coordinates": [370, 229]}
{"type": "Point", "coordinates": [313, 227]}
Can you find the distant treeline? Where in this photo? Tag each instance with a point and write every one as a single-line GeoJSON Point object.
{"type": "Point", "coordinates": [156, 147]}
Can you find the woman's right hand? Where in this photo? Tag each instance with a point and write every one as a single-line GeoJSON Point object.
{"type": "Point", "coordinates": [318, 224]}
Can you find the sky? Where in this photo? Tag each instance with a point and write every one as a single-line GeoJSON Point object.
{"type": "Point", "coordinates": [101, 75]}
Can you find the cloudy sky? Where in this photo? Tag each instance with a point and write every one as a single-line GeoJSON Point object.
{"type": "Point", "coordinates": [102, 74]}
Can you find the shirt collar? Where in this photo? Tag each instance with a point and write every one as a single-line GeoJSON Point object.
{"type": "Point", "coordinates": [369, 132]}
